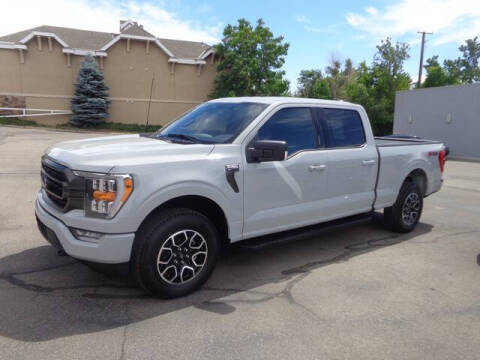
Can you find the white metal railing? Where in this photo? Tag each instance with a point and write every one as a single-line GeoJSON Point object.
{"type": "Point", "coordinates": [32, 112]}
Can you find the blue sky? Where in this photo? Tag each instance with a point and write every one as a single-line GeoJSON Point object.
{"type": "Point", "coordinates": [316, 30]}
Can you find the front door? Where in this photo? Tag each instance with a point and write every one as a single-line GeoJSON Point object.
{"type": "Point", "coordinates": [281, 195]}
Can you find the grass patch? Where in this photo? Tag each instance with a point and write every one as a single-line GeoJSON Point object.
{"type": "Point", "coordinates": [112, 126]}
{"type": "Point", "coordinates": [18, 122]}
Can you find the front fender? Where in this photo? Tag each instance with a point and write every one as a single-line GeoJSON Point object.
{"type": "Point", "coordinates": [147, 203]}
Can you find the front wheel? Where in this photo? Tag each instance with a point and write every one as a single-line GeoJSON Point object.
{"type": "Point", "coordinates": [175, 253]}
{"type": "Point", "coordinates": [404, 215]}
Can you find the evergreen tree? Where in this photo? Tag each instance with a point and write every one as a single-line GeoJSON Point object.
{"type": "Point", "coordinates": [90, 101]}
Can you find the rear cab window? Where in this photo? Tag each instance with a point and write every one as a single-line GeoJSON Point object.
{"type": "Point", "coordinates": [342, 127]}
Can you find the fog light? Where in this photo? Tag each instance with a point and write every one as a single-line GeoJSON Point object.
{"type": "Point", "coordinates": [86, 235]}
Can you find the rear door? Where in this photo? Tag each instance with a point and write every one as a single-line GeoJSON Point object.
{"type": "Point", "coordinates": [352, 162]}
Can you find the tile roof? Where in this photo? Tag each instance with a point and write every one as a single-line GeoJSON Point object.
{"type": "Point", "coordinates": [96, 40]}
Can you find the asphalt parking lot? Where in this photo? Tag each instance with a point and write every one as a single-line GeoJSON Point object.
{"type": "Point", "coordinates": [358, 293]}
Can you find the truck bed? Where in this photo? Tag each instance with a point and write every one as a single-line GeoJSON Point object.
{"type": "Point", "coordinates": [398, 156]}
{"type": "Point", "coordinates": [402, 140]}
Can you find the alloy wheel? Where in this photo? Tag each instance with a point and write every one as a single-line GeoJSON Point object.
{"type": "Point", "coordinates": [182, 257]}
{"type": "Point", "coordinates": [411, 209]}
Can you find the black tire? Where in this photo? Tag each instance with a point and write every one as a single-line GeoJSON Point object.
{"type": "Point", "coordinates": [394, 215]}
{"type": "Point", "coordinates": [152, 237]}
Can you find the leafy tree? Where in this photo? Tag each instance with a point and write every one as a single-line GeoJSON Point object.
{"type": "Point", "coordinates": [437, 75]}
{"type": "Point", "coordinates": [312, 83]}
{"type": "Point", "coordinates": [388, 76]}
{"type": "Point", "coordinates": [348, 69]}
{"type": "Point", "coordinates": [90, 100]}
{"type": "Point", "coordinates": [307, 81]}
{"type": "Point", "coordinates": [388, 68]}
{"type": "Point", "coordinates": [373, 87]}
{"type": "Point", "coordinates": [321, 89]}
{"type": "Point", "coordinates": [250, 61]}
{"type": "Point", "coordinates": [357, 92]}
{"type": "Point", "coordinates": [462, 70]}
{"type": "Point", "coordinates": [453, 68]}
{"type": "Point", "coordinates": [277, 85]}
{"type": "Point", "coordinates": [470, 70]}
{"type": "Point", "coordinates": [349, 76]}
{"type": "Point", "coordinates": [334, 70]}
{"type": "Point", "coordinates": [433, 61]}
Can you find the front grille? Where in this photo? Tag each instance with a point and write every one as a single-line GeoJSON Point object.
{"type": "Point", "coordinates": [54, 173]}
{"type": "Point", "coordinates": [62, 186]}
{"type": "Point", "coordinates": [53, 182]}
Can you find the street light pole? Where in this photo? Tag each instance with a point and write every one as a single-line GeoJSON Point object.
{"type": "Point", "coordinates": [421, 57]}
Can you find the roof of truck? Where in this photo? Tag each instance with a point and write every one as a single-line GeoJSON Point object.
{"type": "Point", "coordinates": [281, 100]}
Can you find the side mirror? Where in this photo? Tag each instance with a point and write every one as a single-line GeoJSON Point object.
{"type": "Point", "coordinates": [267, 150]}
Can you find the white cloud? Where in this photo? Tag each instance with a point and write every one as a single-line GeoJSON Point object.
{"type": "Point", "coordinates": [371, 10]}
{"type": "Point", "coordinates": [105, 16]}
{"type": "Point", "coordinates": [302, 19]}
{"type": "Point", "coordinates": [450, 20]}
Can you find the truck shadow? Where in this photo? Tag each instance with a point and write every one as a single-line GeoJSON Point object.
{"type": "Point", "coordinates": [44, 296]}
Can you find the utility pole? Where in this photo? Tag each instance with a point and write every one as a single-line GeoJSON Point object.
{"type": "Point", "coordinates": [421, 57]}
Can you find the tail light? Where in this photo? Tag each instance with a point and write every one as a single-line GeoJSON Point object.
{"type": "Point", "coordinates": [441, 159]}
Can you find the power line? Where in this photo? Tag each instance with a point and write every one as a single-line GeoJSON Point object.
{"type": "Point", "coordinates": [421, 57]}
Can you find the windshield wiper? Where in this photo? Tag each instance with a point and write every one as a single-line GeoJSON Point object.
{"type": "Point", "coordinates": [170, 138]}
{"type": "Point", "coordinates": [192, 139]}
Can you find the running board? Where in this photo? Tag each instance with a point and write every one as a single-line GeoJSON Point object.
{"type": "Point", "coordinates": [302, 233]}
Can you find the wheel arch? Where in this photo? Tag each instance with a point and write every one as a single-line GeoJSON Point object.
{"type": "Point", "coordinates": [419, 177]}
{"type": "Point", "coordinates": [204, 205]}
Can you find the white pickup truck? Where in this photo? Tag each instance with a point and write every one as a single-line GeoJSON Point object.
{"type": "Point", "coordinates": [229, 170]}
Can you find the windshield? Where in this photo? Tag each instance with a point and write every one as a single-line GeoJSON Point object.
{"type": "Point", "coordinates": [213, 122]}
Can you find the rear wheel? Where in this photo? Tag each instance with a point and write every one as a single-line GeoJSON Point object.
{"type": "Point", "coordinates": [404, 215]}
{"type": "Point", "coordinates": [175, 253]}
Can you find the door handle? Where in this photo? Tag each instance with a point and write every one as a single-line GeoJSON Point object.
{"type": "Point", "coordinates": [317, 167]}
{"type": "Point", "coordinates": [368, 162]}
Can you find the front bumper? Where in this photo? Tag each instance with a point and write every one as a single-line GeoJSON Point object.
{"type": "Point", "coordinates": [108, 249]}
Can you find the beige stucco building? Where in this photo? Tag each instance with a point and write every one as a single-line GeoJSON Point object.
{"type": "Point", "coordinates": [39, 66]}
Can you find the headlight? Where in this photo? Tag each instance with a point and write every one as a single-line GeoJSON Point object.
{"type": "Point", "coordinates": [105, 194]}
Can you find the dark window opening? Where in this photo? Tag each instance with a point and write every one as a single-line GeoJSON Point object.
{"type": "Point", "coordinates": [344, 127]}
{"type": "Point", "coordinates": [292, 125]}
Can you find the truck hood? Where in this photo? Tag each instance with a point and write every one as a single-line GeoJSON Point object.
{"type": "Point", "coordinates": [102, 154]}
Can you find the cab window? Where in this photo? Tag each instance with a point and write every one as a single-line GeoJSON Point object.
{"type": "Point", "coordinates": [343, 127]}
{"type": "Point", "coordinates": [292, 125]}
